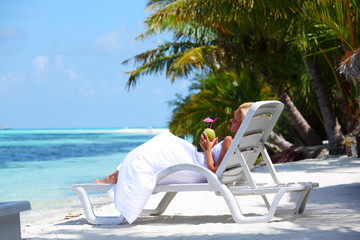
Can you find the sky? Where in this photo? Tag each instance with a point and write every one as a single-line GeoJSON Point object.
{"type": "Point", "coordinates": [61, 66]}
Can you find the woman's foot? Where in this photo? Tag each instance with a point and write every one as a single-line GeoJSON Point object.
{"type": "Point", "coordinates": [111, 179]}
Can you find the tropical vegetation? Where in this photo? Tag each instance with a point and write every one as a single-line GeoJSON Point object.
{"type": "Point", "coordinates": [248, 50]}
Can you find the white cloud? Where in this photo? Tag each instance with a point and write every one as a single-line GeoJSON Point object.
{"type": "Point", "coordinates": [71, 73]}
{"type": "Point", "coordinates": [11, 33]}
{"type": "Point", "coordinates": [40, 63]}
{"type": "Point", "coordinates": [11, 40]}
{"type": "Point", "coordinates": [3, 87]}
{"type": "Point", "coordinates": [8, 82]}
{"type": "Point", "coordinates": [59, 60]}
{"type": "Point", "coordinates": [8, 78]}
{"type": "Point", "coordinates": [158, 90]}
{"type": "Point", "coordinates": [110, 41]}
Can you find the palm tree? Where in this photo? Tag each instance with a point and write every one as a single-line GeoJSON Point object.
{"type": "Point", "coordinates": [332, 126]}
{"type": "Point", "coordinates": [215, 96]}
{"type": "Point", "coordinates": [224, 43]}
{"type": "Point", "coordinates": [327, 29]}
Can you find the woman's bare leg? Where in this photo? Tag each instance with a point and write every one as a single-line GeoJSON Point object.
{"type": "Point", "coordinates": [111, 179]}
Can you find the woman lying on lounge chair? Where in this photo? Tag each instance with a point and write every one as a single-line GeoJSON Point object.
{"type": "Point", "coordinates": [213, 152]}
{"type": "Point", "coordinates": [136, 176]}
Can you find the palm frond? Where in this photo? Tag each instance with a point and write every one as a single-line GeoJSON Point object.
{"type": "Point", "coordinates": [335, 16]}
{"type": "Point", "coordinates": [175, 59]}
{"type": "Point", "coordinates": [193, 58]}
{"type": "Point", "coordinates": [214, 96]}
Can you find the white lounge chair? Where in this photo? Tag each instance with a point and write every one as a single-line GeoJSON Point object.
{"type": "Point", "coordinates": [233, 177]}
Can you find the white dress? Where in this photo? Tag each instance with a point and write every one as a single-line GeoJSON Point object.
{"type": "Point", "coordinates": [137, 173]}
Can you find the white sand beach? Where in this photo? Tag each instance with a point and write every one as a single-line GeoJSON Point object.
{"type": "Point", "coordinates": [332, 212]}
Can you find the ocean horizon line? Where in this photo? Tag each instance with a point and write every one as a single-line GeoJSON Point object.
{"type": "Point", "coordinates": [151, 130]}
{"type": "Point", "coordinates": [44, 128]}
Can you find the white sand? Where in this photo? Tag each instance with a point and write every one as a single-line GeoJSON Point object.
{"type": "Point", "coordinates": [332, 212]}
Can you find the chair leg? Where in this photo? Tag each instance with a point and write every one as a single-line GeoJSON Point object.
{"type": "Point", "coordinates": [300, 204]}
{"type": "Point", "coordinates": [164, 203]}
{"type": "Point", "coordinates": [89, 213]}
{"type": "Point", "coordinates": [266, 201]}
{"type": "Point", "coordinates": [302, 201]}
{"type": "Point", "coordinates": [240, 218]}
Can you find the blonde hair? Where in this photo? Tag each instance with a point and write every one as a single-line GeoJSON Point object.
{"type": "Point", "coordinates": [244, 108]}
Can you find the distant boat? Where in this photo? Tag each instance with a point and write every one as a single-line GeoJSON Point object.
{"type": "Point", "coordinates": [4, 127]}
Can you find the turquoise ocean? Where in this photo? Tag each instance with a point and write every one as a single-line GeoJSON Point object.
{"type": "Point", "coordinates": [40, 165]}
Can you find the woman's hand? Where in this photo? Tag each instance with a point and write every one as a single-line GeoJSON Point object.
{"type": "Point", "coordinates": [206, 144]}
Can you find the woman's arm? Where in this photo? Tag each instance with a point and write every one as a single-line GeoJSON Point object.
{"type": "Point", "coordinates": [225, 146]}
{"type": "Point", "coordinates": [207, 147]}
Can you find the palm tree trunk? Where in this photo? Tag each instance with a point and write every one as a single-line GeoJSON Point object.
{"type": "Point", "coordinates": [332, 126]}
{"type": "Point", "coordinates": [306, 133]}
{"type": "Point", "coordinates": [299, 123]}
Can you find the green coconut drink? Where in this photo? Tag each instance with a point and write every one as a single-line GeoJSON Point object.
{"type": "Point", "coordinates": [210, 132]}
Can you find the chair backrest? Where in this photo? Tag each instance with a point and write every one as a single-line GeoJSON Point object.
{"type": "Point", "coordinates": [249, 140]}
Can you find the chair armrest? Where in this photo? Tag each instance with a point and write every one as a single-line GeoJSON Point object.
{"type": "Point", "coordinates": [92, 187]}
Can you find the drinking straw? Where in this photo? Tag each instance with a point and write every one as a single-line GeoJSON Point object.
{"type": "Point", "coordinates": [213, 122]}
{"type": "Point", "coordinates": [210, 120]}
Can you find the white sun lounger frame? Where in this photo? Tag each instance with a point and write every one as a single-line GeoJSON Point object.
{"type": "Point", "coordinates": [233, 177]}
